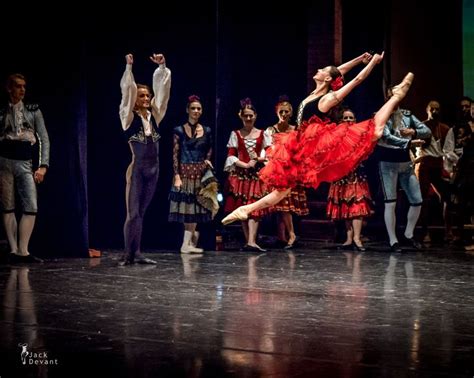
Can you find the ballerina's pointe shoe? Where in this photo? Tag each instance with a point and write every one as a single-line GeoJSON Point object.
{"type": "Point", "coordinates": [237, 214]}
{"type": "Point", "coordinates": [399, 91]}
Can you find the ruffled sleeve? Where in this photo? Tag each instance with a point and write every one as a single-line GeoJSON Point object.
{"type": "Point", "coordinates": [232, 152]}
{"type": "Point", "coordinates": [161, 88]}
{"type": "Point", "coordinates": [128, 88]}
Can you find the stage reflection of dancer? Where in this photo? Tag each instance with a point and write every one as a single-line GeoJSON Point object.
{"type": "Point", "coordinates": [320, 150]}
{"type": "Point", "coordinates": [141, 115]}
{"type": "Point", "coordinates": [19, 312]}
{"type": "Point", "coordinates": [295, 202]}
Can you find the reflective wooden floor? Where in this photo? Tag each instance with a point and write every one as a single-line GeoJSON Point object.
{"type": "Point", "coordinates": [311, 312]}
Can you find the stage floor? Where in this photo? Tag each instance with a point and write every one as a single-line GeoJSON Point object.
{"type": "Point", "coordinates": [312, 312]}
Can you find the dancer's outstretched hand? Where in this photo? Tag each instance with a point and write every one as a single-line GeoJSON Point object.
{"type": "Point", "coordinates": [366, 57]}
{"type": "Point", "coordinates": [158, 58]}
{"type": "Point", "coordinates": [377, 58]}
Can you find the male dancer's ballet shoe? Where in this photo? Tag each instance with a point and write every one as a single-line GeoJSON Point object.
{"type": "Point", "coordinates": [237, 214]}
{"type": "Point", "coordinates": [145, 260]}
{"type": "Point", "coordinates": [29, 258]}
{"type": "Point", "coordinates": [399, 91]}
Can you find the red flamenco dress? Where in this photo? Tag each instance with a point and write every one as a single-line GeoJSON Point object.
{"type": "Point", "coordinates": [243, 185]}
{"type": "Point", "coordinates": [320, 150]}
{"type": "Point", "coordinates": [349, 197]}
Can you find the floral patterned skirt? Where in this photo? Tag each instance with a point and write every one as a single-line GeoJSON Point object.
{"type": "Point", "coordinates": [184, 206]}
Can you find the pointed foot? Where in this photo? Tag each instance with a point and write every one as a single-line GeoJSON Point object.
{"type": "Point", "coordinates": [399, 91]}
{"type": "Point", "coordinates": [238, 214]}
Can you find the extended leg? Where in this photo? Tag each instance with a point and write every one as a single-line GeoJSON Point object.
{"type": "Point", "coordinates": [242, 212]}
{"type": "Point", "coordinates": [384, 113]}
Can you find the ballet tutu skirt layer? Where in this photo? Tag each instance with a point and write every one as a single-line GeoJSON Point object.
{"type": "Point", "coordinates": [318, 151]}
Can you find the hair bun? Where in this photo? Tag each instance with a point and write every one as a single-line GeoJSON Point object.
{"type": "Point", "coordinates": [194, 98]}
{"type": "Point", "coordinates": [245, 102]}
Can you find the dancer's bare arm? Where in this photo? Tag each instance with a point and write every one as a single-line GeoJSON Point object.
{"type": "Point", "coordinates": [331, 99]}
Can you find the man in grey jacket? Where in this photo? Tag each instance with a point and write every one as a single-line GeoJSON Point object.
{"type": "Point", "coordinates": [21, 127]}
{"type": "Point", "coordinates": [402, 131]}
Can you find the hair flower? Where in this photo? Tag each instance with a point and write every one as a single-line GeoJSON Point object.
{"type": "Point", "coordinates": [337, 83]}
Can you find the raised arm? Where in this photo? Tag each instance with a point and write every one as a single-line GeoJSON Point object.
{"type": "Point", "coordinates": [161, 87]}
{"type": "Point", "coordinates": [129, 94]}
{"type": "Point", "coordinates": [346, 67]}
{"type": "Point", "coordinates": [331, 99]}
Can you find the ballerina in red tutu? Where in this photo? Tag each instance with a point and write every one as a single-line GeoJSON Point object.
{"type": "Point", "coordinates": [319, 150]}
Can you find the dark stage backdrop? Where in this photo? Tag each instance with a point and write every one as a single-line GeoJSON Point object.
{"type": "Point", "coordinates": [222, 51]}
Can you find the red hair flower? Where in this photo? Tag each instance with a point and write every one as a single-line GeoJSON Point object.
{"type": "Point", "coordinates": [337, 83]}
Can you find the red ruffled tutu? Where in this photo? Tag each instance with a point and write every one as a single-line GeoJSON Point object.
{"type": "Point", "coordinates": [318, 151]}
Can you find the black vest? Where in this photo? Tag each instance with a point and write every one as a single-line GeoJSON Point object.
{"type": "Point", "coordinates": [136, 131]}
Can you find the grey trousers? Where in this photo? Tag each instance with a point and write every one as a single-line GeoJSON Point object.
{"type": "Point", "coordinates": [17, 175]}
